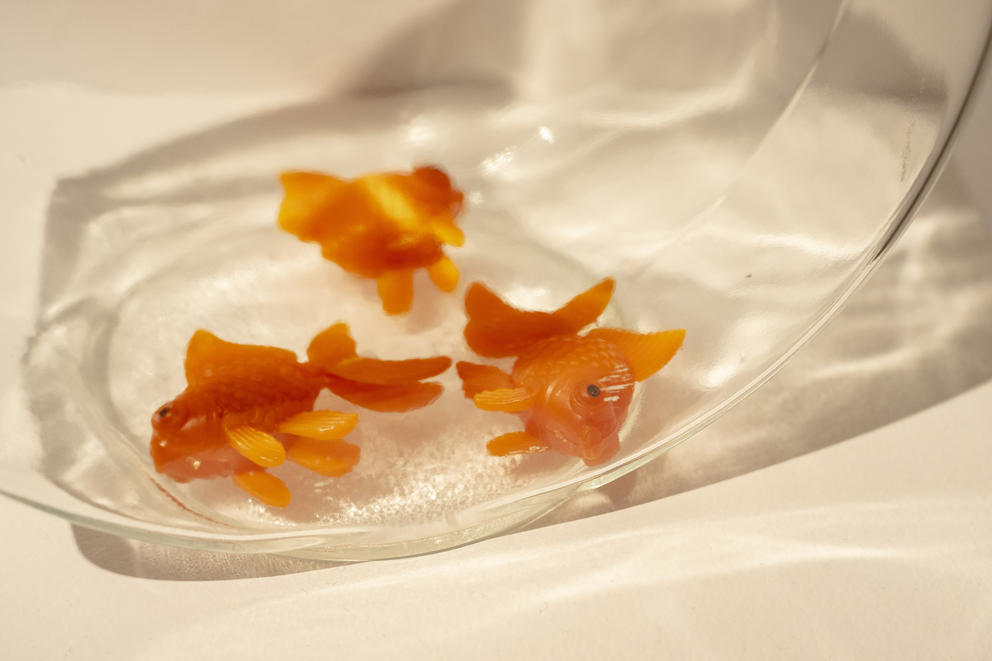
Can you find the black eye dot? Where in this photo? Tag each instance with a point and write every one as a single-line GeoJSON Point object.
{"type": "Point", "coordinates": [593, 390]}
{"type": "Point", "coordinates": [164, 411]}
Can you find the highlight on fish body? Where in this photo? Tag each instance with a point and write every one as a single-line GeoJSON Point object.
{"type": "Point", "coordinates": [381, 226]}
{"type": "Point", "coordinates": [248, 408]}
{"type": "Point", "coordinates": [572, 391]}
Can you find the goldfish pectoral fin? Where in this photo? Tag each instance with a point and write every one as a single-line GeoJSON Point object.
{"type": "Point", "coordinates": [586, 307]}
{"type": "Point", "coordinates": [444, 228]}
{"type": "Point", "coordinates": [331, 346]}
{"type": "Point", "coordinates": [444, 274]}
{"type": "Point", "coordinates": [267, 488]}
{"type": "Point", "coordinates": [507, 400]}
{"type": "Point", "coordinates": [256, 446]}
{"type": "Point", "coordinates": [206, 352]}
{"type": "Point", "coordinates": [645, 352]}
{"type": "Point", "coordinates": [387, 398]}
{"type": "Point", "coordinates": [477, 378]}
{"type": "Point", "coordinates": [331, 458]}
{"type": "Point", "coordinates": [323, 425]}
{"type": "Point", "coordinates": [518, 442]}
{"type": "Point", "coordinates": [396, 290]}
{"type": "Point", "coordinates": [391, 372]}
{"type": "Point", "coordinates": [306, 193]}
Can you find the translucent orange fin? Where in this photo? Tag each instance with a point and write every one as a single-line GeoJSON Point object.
{"type": "Point", "coordinates": [256, 446]}
{"type": "Point", "coordinates": [329, 458]}
{"type": "Point", "coordinates": [645, 352]}
{"type": "Point", "coordinates": [518, 442]}
{"type": "Point", "coordinates": [496, 329]}
{"type": "Point", "coordinates": [391, 372]}
{"type": "Point", "coordinates": [444, 228]}
{"type": "Point", "coordinates": [394, 398]}
{"type": "Point", "coordinates": [587, 306]}
{"type": "Point", "coordinates": [507, 400]}
{"type": "Point", "coordinates": [306, 194]}
{"type": "Point", "coordinates": [332, 345]}
{"type": "Point", "coordinates": [444, 274]}
{"type": "Point", "coordinates": [476, 378]}
{"type": "Point", "coordinates": [396, 290]}
{"type": "Point", "coordinates": [322, 425]}
{"type": "Point", "coordinates": [267, 488]}
{"type": "Point", "coordinates": [207, 353]}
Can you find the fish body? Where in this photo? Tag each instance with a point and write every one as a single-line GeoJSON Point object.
{"type": "Point", "coordinates": [247, 408]}
{"type": "Point", "coordinates": [571, 390]}
{"type": "Point", "coordinates": [380, 226]}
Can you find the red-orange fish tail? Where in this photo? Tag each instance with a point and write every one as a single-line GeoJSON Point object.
{"type": "Point", "coordinates": [496, 329]}
{"type": "Point", "coordinates": [379, 385]}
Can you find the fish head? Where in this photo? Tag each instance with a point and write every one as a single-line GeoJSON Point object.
{"type": "Point", "coordinates": [580, 412]}
{"type": "Point", "coordinates": [185, 444]}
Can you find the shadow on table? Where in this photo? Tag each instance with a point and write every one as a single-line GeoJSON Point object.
{"type": "Point", "coordinates": [915, 335]}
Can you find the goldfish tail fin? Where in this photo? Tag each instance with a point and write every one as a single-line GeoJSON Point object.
{"type": "Point", "coordinates": [496, 329]}
{"type": "Point", "coordinates": [306, 193]}
{"type": "Point", "coordinates": [645, 352]}
{"type": "Point", "coordinates": [386, 398]}
{"type": "Point", "coordinates": [390, 372]}
{"type": "Point", "coordinates": [335, 351]}
{"type": "Point", "coordinates": [478, 378]}
{"type": "Point", "coordinates": [330, 347]}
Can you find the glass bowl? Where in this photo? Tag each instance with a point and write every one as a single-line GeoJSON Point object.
{"type": "Point", "coordinates": [737, 167]}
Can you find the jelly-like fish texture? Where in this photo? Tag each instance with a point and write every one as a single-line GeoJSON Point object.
{"type": "Point", "coordinates": [381, 226]}
{"type": "Point", "coordinates": [572, 391]}
{"type": "Point", "coordinates": [248, 408]}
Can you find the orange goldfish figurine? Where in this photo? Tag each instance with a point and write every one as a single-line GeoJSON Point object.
{"type": "Point", "coordinates": [248, 408]}
{"type": "Point", "coordinates": [381, 226]}
{"type": "Point", "coordinates": [571, 391]}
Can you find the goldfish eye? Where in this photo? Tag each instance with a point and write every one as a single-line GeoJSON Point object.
{"type": "Point", "coordinates": [593, 390]}
{"type": "Point", "coordinates": [171, 416]}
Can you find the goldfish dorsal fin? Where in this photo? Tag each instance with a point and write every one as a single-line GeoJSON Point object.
{"type": "Point", "coordinates": [587, 306]}
{"type": "Point", "coordinates": [207, 353]}
{"type": "Point", "coordinates": [331, 346]}
{"type": "Point", "coordinates": [507, 400]}
{"type": "Point", "coordinates": [496, 329]}
{"type": "Point", "coordinates": [646, 353]}
{"type": "Point", "coordinates": [305, 194]}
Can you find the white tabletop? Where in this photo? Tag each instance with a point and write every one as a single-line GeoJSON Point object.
{"type": "Point", "coordinates": [857, 525]}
